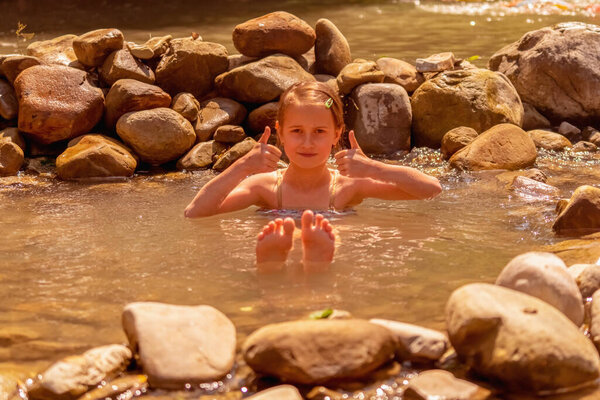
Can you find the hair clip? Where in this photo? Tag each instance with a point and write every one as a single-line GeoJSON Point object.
{"type": "Point", "coordinates": [329, 102]}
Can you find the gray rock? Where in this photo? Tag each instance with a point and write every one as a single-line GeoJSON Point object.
{"type": "Point", "coordinates": [216, 112]}
{"type": "Point", "coordinates": [440, 384]}
{"type": "Point", "coordinates": [233, 154]}
{"type": "Point", "coordinates": [332, 51]}
{"type": "Point", "coordinates": [201, 155]}
{"type": "Point", "coordinates": [281, 392]}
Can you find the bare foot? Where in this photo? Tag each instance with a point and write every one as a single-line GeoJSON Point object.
{"type": "Point", "coordinates": [274, 243]}
{"type": "Point", "coordinates": [318, 241]}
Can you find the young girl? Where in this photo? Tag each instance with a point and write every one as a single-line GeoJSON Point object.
{"type": "Point", "coordinates": [310, 123]}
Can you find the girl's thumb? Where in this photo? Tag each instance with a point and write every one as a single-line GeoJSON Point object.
{"type": "Point", "coordinates": [265, 136]}
{"type": "Point", "coordinates": [353, 142]}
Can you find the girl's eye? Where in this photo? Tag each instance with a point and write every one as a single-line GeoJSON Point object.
{"type": "Point", "coordinates": [296, 130]}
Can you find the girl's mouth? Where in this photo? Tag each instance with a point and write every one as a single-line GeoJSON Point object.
{"type": "Point", "coordinates": [307, 154]}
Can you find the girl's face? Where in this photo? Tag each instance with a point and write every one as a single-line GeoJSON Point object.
{"type": "Point", "coordinates": [308, 134]}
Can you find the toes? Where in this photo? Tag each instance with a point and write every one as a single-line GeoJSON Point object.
{"type": "Point", "coordinates": [261, 236]}
{"type": "Point", "coordinates": [289, 226]}
{"type": "Point", "coordinates": [307, 219]}
{"type": "Point", "coordinates": [279, 225]}
{"type": "Point", "coordinates": [318, 221]}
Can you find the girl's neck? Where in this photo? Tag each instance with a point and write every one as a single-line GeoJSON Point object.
{"type": "Point", "coordinates": [307, 178]}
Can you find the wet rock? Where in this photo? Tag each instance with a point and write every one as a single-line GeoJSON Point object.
{"type": "Point", "coordinates": [55, 51]}
{"type": "Point", "coordinates": [262, 81]}
{"type": "Point", "coordinates": [93, 47]}
{"type": "Point", "coordinates": [383, 119]}
{"type": "Point", "coordinates": [476, 98]}
{"type": "Point", "coordinates": [549, 140]}
{"type": "Point", "coordinates": [414, 343]}
{"type": "Point", "coordinates": [595, 319]}
{"type": "Point", "coordinates": [276, 32]}
{"type": "Point", "coordinates": [128, 95]}
{"type": "Point", "coordinates": [75, 375]}
{"type": "Point", "coordinates": [332, 50]}
{"type": "Point", "coordinates": [122, 65]}
{"type": "Point", "coordinates": [533, 188]}
{"type": "Point", "coordinates": [180, 344]}
{"type": "Point", "coordinates": [233, 154]}
{"type": "Point", "coordinates": [591, 135]}
{"type": "Point", "coordinates": [95, 156]}
{"type": "Point", "coordinates": [263, 116]}
{"type": "Point", "coordinates": [11, 157]}
{"type": "Point", "coordinates": [314, 352]}
{"type": "Point", "coordinates": [57, 103]}
{"type": "Point", "coordinates": [158, 135]}
{"type": "Point", "coordinates": [9, 107]}
{"type": "Point", "coordinates": [237, 60]}
{"type": "Point", "coordinates": [127, 386]}
{"type": "Point", "coordinates": [532, 119]}
{"type": "Point", "coordinates": [436, 63]}
{"type": "Point", "coordinates": [582, 213]}
{"type": "Point", "coordinates": [12, 66]}
{"type": "Point", "coordinates": [568, 55]}
{"type": "Point", "coordinates": [588, 280]}
{"type": "Point", "coordinates": [491, 329]}
{"type": "Point", "coordinates": [217, 112]}
{"type": "Point", "coordinates": [201, 156]}
{"type": "Point", "coordinates": [585, 250]}
{"type": "Point", "coordinates": [571, 132]}
{"type": "Point", "coordinates": [457, 138]}
{"type": "Point", "coordinates": [191, 66]}
{"type": "Point", "coordinates": [401, 73]}
{"type": "Point", "coordinates": [504, 146]}
{"type": "Point", "coordinates": [230, 134]}
{"type": "Point", "coordinates": [13, 135]}
{"type": "Point", "coordinates": [281, 392]}
{"type": "Point", "coordinates": [440, 384]}
{"type": "Point", "coordinates": [545, 276]}
{"type": "Point", "coordinates": [355, 74]}
{"type": "Point", "coordinates": [186, 105]}
{"type": "Point", "coordinates": [584, 146]}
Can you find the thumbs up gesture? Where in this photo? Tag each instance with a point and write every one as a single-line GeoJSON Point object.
{"type": "Point", "coordinates": [263, 157]}
{"type": "Point", "coordinates": [353, 162]}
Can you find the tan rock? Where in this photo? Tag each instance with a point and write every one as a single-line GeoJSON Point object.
{"type": "Point", "coordinates": [201, 155]}
{"type": "Point", "coordinates": [13, 135]}
{"type": "Point", "coordinates": [582, 213]}
{"type": "Point", "coordinates": [93, 47]}
{"type": "Point", "coordinates": [570, 131]}
{"type": "Point", "coordinates": [230, 134]}
{"type": "Point", "coordinates": [233, 154]}
{"type": "Point", "coordinates": [585, 250]}
{"type": "Point", "coordinates": [332, 51]}
{"type": "Point", "coordinates": [588, 280]}
{"type": "Point", "coordinates": [120, 387]}
{"type": "Point", "coordinates": [584, 146]}
{"type": "Point", "coordinates": [140, 51]}
{"type": "Point", "coordinates": [237, 60]}
{"type": "Point", "coordinates": [281, 392]}
{"type": "Point", "coordinates": [355, 74]}
{"type": "Point", "coordinates": [276, 32]}
{"type": "Point", "coordinates": [55, 51]}
{"type": "Point", "coordinates": [122, 65]}
{"type": "Point", "coordinates": [440, 384]}
{"type": "Point", "coordinates": [216, 112]}
{"type": "Point", "coordinates": [186, 105]}
{"type": "Point", "coordinates": [12, 66]}
{"type": "Point", "coordinates": [591, 135]}
{"type": "Point", "coordinates": [549, 140]}
{"type": "Point", "coordinates": [9, 106]}
{"type": "Point", "coordinates": [11, 157]}
{"type": "Point", "coordinates": [330, 80]}
{"type": "Point", "coordinates": [532, 119]}
{"type": "Point", "coordinates": [532, 188]}
{"type": "Point", "coordinates": [595, 319]}
{"type": "Point", "coordinates": [457, 138]}
{"type": "Point", "coordinates": [436, 63]}
{"type": "Point", "coordinates": [401, 73]}
{"type": "Point", "coordinates": [159, 45]}
{"type": "Point", "coordinates": [263, 116]}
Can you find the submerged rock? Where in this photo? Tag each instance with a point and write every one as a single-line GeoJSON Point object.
{"type": "Point", "coordinates": [93, 47]}
{"type": "Point", "coordinates": [457, 138]}
{"type": "Point", "coordinates": [532, 119]}
{"type": "Point", "coordinates": [122, 65]}
{"type": "Point", "coordinates": [217, 112]}
{"type": "Point", "coordinates": [124, 387]}
{"type": "Point", "coordinates": [237, 151]}
{"type": "Point", "coordinates": [582, 213]}
{"type": "Point", "coordinates": [201, 155]}
{"type": "Point", "coordinates": [332, 51]}
{"type": "Point", "coordinates": [281, 392]}
{"type": "Point", "coordinates": [549, 140]}
{"type": "Point", "coordinates": [401, 73]}
{"type": "Point", "coordinates": [533, 188]}
{"type": "Point", "coordinates": [440, 384]}
{"type": "Point", "coordinates": [585, 250]}
{"type": "Point", "coordinates": [358, 73]}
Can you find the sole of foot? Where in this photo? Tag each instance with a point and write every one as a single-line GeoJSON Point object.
{"type": "Point", "coordinates": [318, 241]}
{"type": "Point", "coordinates": [275, 242]}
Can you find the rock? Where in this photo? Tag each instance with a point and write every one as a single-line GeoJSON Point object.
{"type": "Point", "coordinates": [307, 61]}
{"type": "Point", "coordinates": [436, 63]}
{"type": "Point", "coordinates": [595, 319]}
{"type": "Point", "coordinates": [383, 119]}
{"type": "Point", "coordinates": [73, 376]}
{"type": "Point", "coordinates": [158, 135]}
{"type": "Point", "coordinates": [12, 66]}
{"type": "Point", "coordinates": [191, 66]}
{"type": "Point", "coordinates": [119, 388]}
{"type": "Point", "coordinates": [355, 74]}
{"type": "Point", "coordinates": [216, 112]}
{"type": "Point", "coordinates": [549, 140]}
{"type": "Point", "coordinates": [313, 352]}
{"type": "Point", "coordinates": [186, 105]}
{"type": "Point", "coordinates": [568, 54]}
{"type": "Point", "coordinates": [281, 392]}
{"type": "Point", "coordinates": [584, 146]}
{"type": "Point", "coordinates": [584, 250]}
{"type": "Point", "coordinates": [582, 213]}
{"type": "Point", "coordinates": [414, 343]}
{"type": "Point", "coordinates": [440, 384]}
{"type": "Point", "coordinates": [571, 132]}
{"type": "Point", "coordinates": [276, 32]}
{"type": "Point", "coordinates": [261, 81]}
{"type": "Point", "coordinates": [545, 276]}
{"type": "Point", "coordinates": [588, 280]}
{"type": "Point", "coordinates": [127, 95]}
{"type": "Point", "coordinates": [140, 51]}
{"type": "Point", "coordinates": [95, 156]}
{"type": "Point", "coordinates": [332, 51]}
{"type": "Point", "coordinates": [532, 119]}
{"type": "Point", "coordinates": [93, 47]}
{"type": "Point", "coordinates": [201, 156]}
{"type": "Point", "coordinates": [230, 134]}
{"type": "Point", "coordinates": [330, 80]}
{"type": "Point", "coordinates": [233, 154]}
{"type": "Point", "coordinates": [9, 107]}
{"type": "Point", "coordinates": [491, 329]}
{"type": "Point", "coordinates": [122, 65]}
{"type": "Point", "coordinates": [588, 132]}
{"type": "Point", "coordinates": [476, 98]}
{"type": "Point", "coordinates": [263, 116]}
{"type": "Point", "coordinates": [178, 345]}
{"type": "Point", "coordinates": [11, 157]}
{"type": "Point", "coordinates": [533, 188]}
{"type": "Point", "coordinates": [503, 146]}
{"type": "Point", "coordinates": [401, 73]}
{"type": "Point", "coordinates": [159, 45]}
{"type": "Point", "coordinates": [457, 138]}
{"type": "Point", "coordinates": [13, 135]}
{"type": "Point", "coordinates": [595, 138]}
{"type": "Point", "coordinates": [237, 60]}
{"type": "Point", "coordinates": [55, 51]}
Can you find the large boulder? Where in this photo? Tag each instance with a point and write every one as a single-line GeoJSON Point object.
{"type": "Point", "coordinates": [549, 140]}
{"type": "Point", "coordinates": [582, 213]}
{"type": "Point", "coordinates": [191, 66]}
{"type": "Point", "coordinates": [358, 73]}
{"type": "Point", "coordinates": [57, 102]}
{"type": "Point", "coordinates": [380, 115]}
{"type": "Point", "coordinates": [318, 351]}
{"type": "Point", "coordinates": [556, 70]}
{"type": "Point", "coordinates": [93, 47]}
{"type": "Point", "coordinates": [9, 106]}
{"type": "Point", "coordinates": [263, 80]}
{"type": "Point", "coordinates": [401, 73]}
{"type": "Point", "coordinates": [476, 98]}
{"type": "Point", "coordinates": [158, 135]}
{"type": "Point", "coordinates": [201, 155]}
{"type": "Point", "coordinates": [121, 64]}
{"type": "Point", "coordinates": [276, 32]}
{"type": "Point", "coordinates": [217, 112]}
{"type": "Point", "coordinates": [332, 51]}
{"type": "Point", "coordinates": [95, 156]}
{"type": "Point", "coordinates": [55, 51]}
{"type": "Point", "coordinates": [503, 146]}
{"type": "Point", "coordinates": [520, 341]}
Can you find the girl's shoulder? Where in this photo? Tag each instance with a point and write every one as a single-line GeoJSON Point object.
{"type": "Point", "coordinates": [260, 181]}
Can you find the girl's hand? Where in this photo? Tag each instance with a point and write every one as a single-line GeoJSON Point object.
{"type": "Point", "coordinates": [353, 162]}
{"type": "Point", "coordinates": [263, 157]}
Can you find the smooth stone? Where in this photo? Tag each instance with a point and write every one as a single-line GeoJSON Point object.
{"type": "Point", "coordinates": [358, 73]}
{"type": "Point", "coordinates": [591, 135]}
{"type": "Point", "coordinates": [515, 339]}
{"type": "Point", "coordinates": [57, 103]}
{"type": "Point", "coordinates": [201, 155]}
{"type": "Point", "coordinates": [11, 157]}
{"type": "Point", "coordinates": [127, 95]}
{"type": "Point", "coordinates": [401, 73]}
{"type": "Point", "coordinates": [124, 387]}
{"type": "Point", "coordinates": [595, 319]}
{"type": "Point", "coordinates": [93, 47]}
{"type": "Point", "coordinates": [55, 51]}
{"type": "Point", "coordinates": [382, 121]}
{"type": "Point", "coordinates": [237, 60]}
{"type": "Point", "coordinates": [9, 106]}
{"type": "Point", "coordinates": [549, 140]}
{"type": "Point", "coordinates": [584, 146]}
{"type": "Point", "coordinates": [545, 276]}
{"type": "Point", "coordinates": [576, 269]}
{"type": "Point", "coordinates": [159, 45]}
{"type": "Point", "coordinates": [315, 352]}
{"type": "Point", "coordinates": [13, 135]}
{"type": "Point", "coordinates": [588, 280]}
{"type": "Point", "coordinates": [503, 146]}
{"type": "Point", "coordinates": [12, 66]}
{"type": "Point", "coordinates": [570, 131]}
{"type": "Point", "coordinates": [140, 51]}
{"type": "Point", "coordinates": [180, 345]}
{"type": "Point", "coordinates": [582, 213]}
{"type": "Point", "coordinates": [307, 61]}
{"type": "Point", "coordinates": [281, 392]}
{"type": "Point", "coordinates": [186, 105]}
{"type": "Point", "coordinates": [330, 80]}
{"type": "Point", "coordinates": [440, 384]}
{"type": "Point", "coordinates": [229, 134]}
{"type": "Point", "coordinates": [584, 250]}
{"type": "Point", "coordinates": [158, 135]}
{"type": "Point", "coordinates": [217, 112]}
{"type": "Point", "coordinates": [457, 138]}
{"type": "Point", "coordinates": [533, 188]}
{"type": "Point", "coordinates": [95, 156]}
{"type": "Point", "coordinates": [476, 98]}
{"type": "Point", "coordinates": [415, 343]}
{"type": "Point", "coordinates": [532, 119]}
{"type": "Point", "coordinates": [276, 32]}
{"type": "Point", "coordinates": [263, 116]}
{"type": "Point", "coordinates": [122, 65]}
{"type": "Point", "coordinates": [233, 154]}
{"type": "Point", "coordinates": [436, 62]}
{"type": "Point", "coordinates": [332, 51]}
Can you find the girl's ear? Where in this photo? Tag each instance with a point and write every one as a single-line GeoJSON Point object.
{"type": "Point", "coordinates": [338, 134]}
{"type": "Point", "coordinates": [279, 138]}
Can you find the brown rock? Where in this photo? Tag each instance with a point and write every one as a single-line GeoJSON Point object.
{"type": "Point", "coordinates": [330, 80]}
{"type": "Point", "coordinates": [307, 61]}
{"type": "Point", "coordinates": [159, 45]}
{"type": "Point", "coordinates": [588, 280]}
{"type": "Point", "coordinates": [533, 188]}
{"type": "Point", "coordinates": [549, 140]}
{"type": "Point", "coordinates": [237, 60]}
{"type": "Point", "coordinates": [332, 50]}
{"type": "Point", "coordinates": [229, 134]}
{"type": "Point", "coordinates": [57, 103]}
{"type": "Point", "coordinates": [216, 112]}
{"type": "Point", "coordinates": [201, 155]}
{"type": "Point", "coordinates": [140, 51]}
{"type": "Point", "coordinates": [118, 388]}
{"type": "Point", "coordinates": [122, 65]}
{"type": "Point", "coordinates": [355, 74]}
{"type": "Point", "coordinates": [276, 32]}
{"type": "Point", "coordinates": [457, 138]}
{"type": "Point", "coordinates": [93, 47]}
{"type": "Point", "coordinates": [440, 384]}
{"type": "Point", "coordinates": [55, 51]}
{"type": "Point", "coordinates": [186, 105]}
{"type": "Point", "coordinates": [585, 250]}
{"type": "Point", "coordinates": [9, 107]}
{"type": "Point", "coordinates": [570, 131]}
{"type": "Point", "coordinates": [532, 119]}
{"type": "Point", "coordinates": [13, 135]}
{"type": "Point", "coordinates": [582, 213]}
{"type": "Point", "coordinates": [595, 319]}
{"type": "Point", "coordinates": [436, 63]}
{"type": "Point", "coordinates": [11, 157]}
{"type": "Point", "coordinates": [401, 73]}
{"type": "Point", "coordinates": [12, 66]}
{"type": "Point", "coordinates": [233, 154]}
{"type": "Point", "coordinates": [263, 116]}
{"type": "Point", "coordinates": [281, 392]}
{"type": "Point", "coordinates": [584, 146]}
